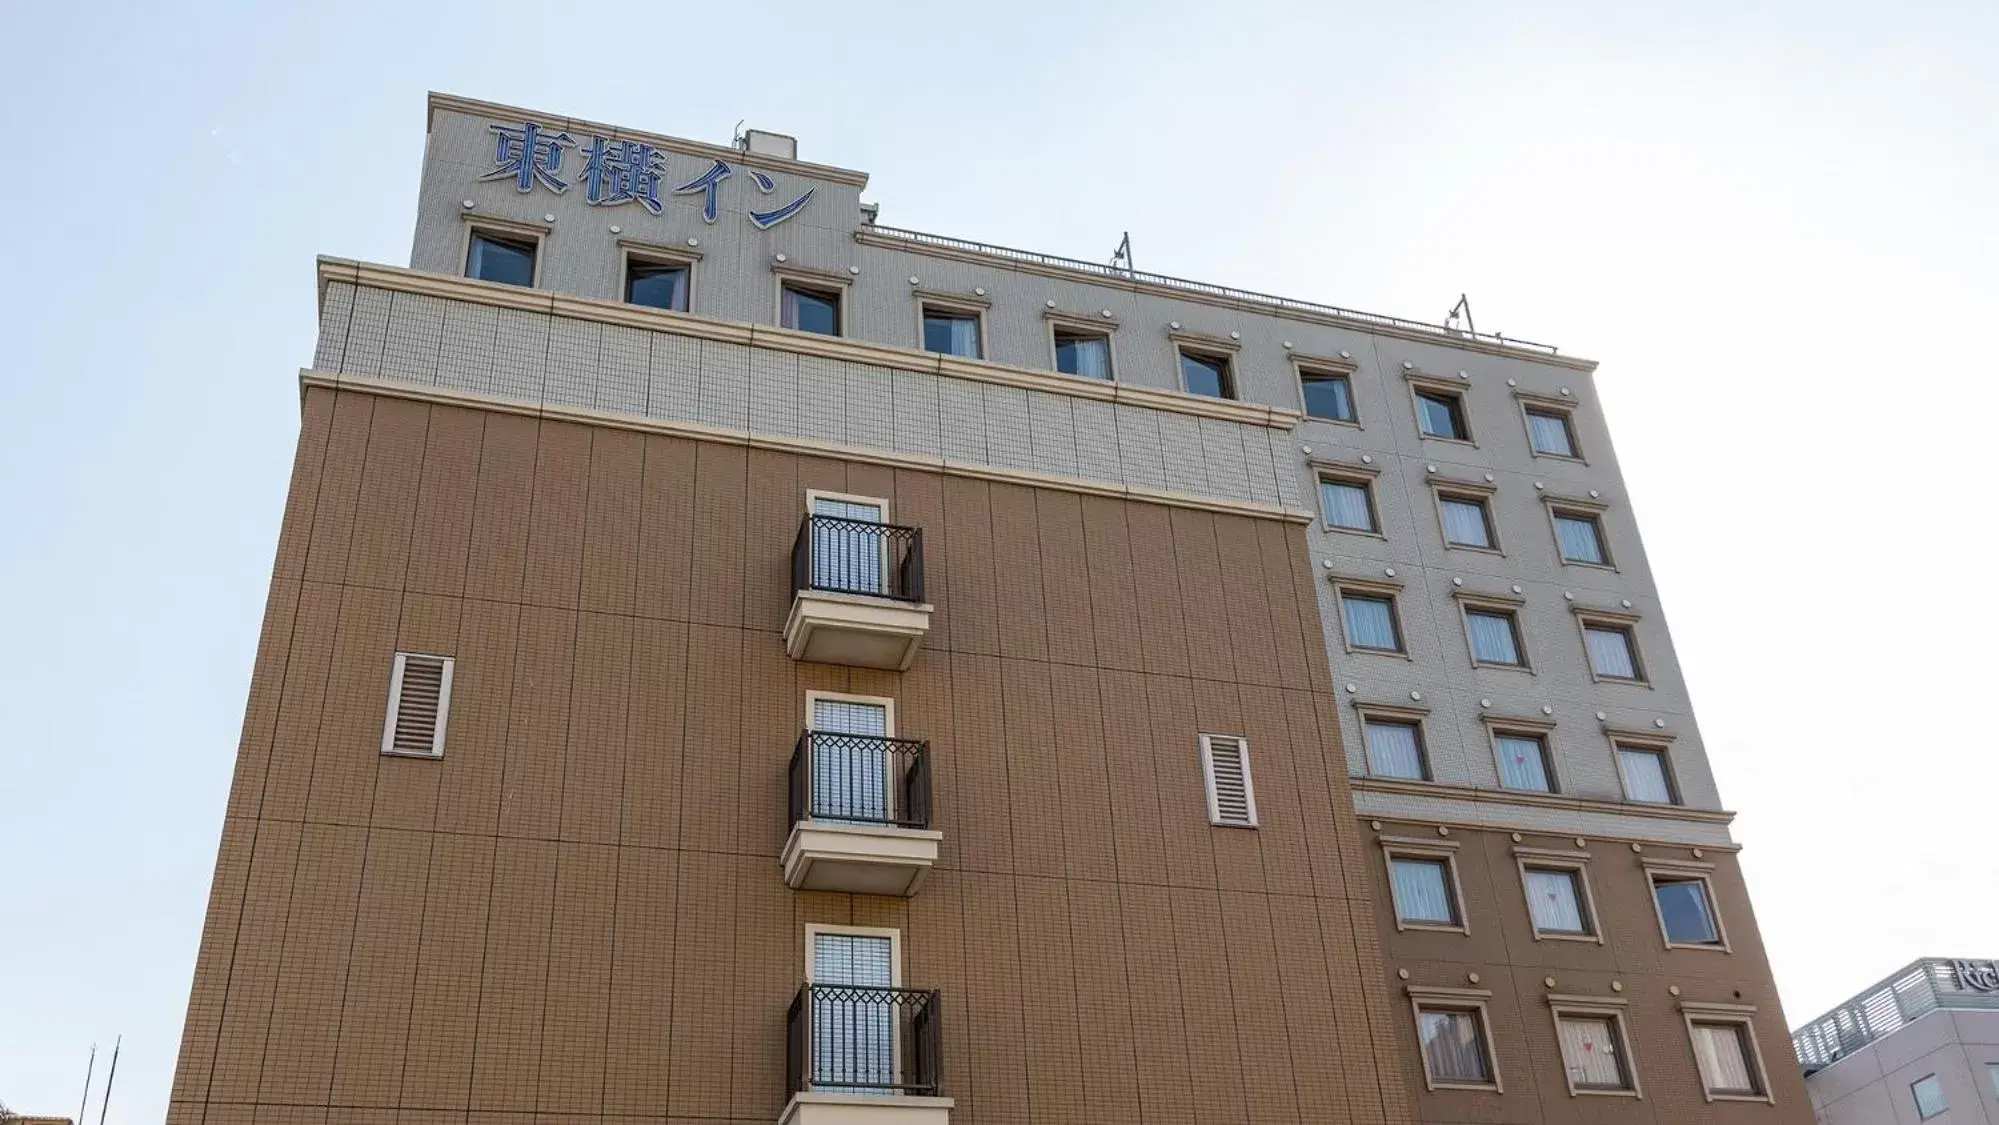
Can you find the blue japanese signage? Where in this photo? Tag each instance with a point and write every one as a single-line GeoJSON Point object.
{"type": "Point", "coordinates": [616, 172]}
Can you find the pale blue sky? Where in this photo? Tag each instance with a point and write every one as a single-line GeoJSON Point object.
{"type": "Point", "coordinates": [1774, 227]}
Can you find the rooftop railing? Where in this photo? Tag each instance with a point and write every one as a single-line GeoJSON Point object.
{"type": "Point", "coordinates": [1914, 992]}
{"type": "Point", "coordinates": [1228, 293]}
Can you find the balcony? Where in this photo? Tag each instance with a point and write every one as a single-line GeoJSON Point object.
{"type": "Point", "coordinates": [860, 815]}
{"type": "Point", "coordinates": [864, 1056]}
{"type": "Point", "coordinates": [856, 594]}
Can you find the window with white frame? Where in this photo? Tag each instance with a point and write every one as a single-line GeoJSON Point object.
{"type": "Point", "coordinates": [809, 308]}
{"type": "Point", "coordinates": [1368, 615]}
{"type": "Point", "coordinates": [1441, 414]}
{"type": "Point", "coordinates": [1579, 537]}
{"type": "Point", "coordinates": [1425, 890]}
{"type": "Point", "coordinates": [1613, 649]}
{"type": "Point", "coordinates": [1209, 374]}
{"type": "Point", "coordinates": [658, 283]}
{"type": "Point", "coordinates": [1456, 1045]}
{"type": "Point", "coordinates": [1327, 395]}
{"type": "Point", "coordinates": [1523, 760]}
{"type": "Point", "coordinates": [952, 331]}
{"type": "Point", "coordinates": [1726, 1056]}
{"type": "Point", "coordinates": [1081, 351]}
{"type": "Point", "coordinates": [1594, 1052]}
{"type": "Point", "coordinates": [1395, 747]}
{"type": "Point", "coordinates": [1348, 503]}
{"type": "Point", "coordinates": [1686, 909]}
{"type": "Point", "coordinates": [1467, 521]}
{"type": "Point", "coordinates": [1557, 902]}
{"type": "Point", "coordinates": [1550, 433]}
{"type": "Point", "coordinates": [1645, 775]}
{"type": "Point", "coordinates": [1494, 634]}
{"type": "Point", "coordinates": [501, 256]}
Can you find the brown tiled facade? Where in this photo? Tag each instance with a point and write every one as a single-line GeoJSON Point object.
{"type": "Point", "coordinates": [577, 914]}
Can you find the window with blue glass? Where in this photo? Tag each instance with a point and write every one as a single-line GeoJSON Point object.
{"type": "Point", "coordinates": [810, 310]}
{"type": "Point", "coordinates": [657, 285]}
{"type": "Point", "coordinates": [1206, 374]}
{"type": "Point", "coordinates": [1328, 395]}
{"type": "Point", "coordinates": [948, 331]}
{"type": "Point", "coordinates": [1082, 353]}
{"type": "Point", "coordinates": [1686, 910]}
{"type": "Point", "coordinates": [506, 259]}
{"type": "Point", "coordinates": [1442, 415]}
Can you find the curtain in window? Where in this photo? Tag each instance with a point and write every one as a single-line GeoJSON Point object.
{"type": "Point", "coordinates": [1644, 776]}
{"type": "Point", "coordinates": [1370, 623]}
{"type": "Point", "coordinates": [789, 313]}
{"type": "Point", "coordinates": [1328, 396]}
{"type": "Point", "coordinates": [1464, 524]}
{"type": "Point", "coordinates": [853, 1033]}
{"type": "Point", "coordinates": [1683, 907]}
{"type": "Point", "coordinates": [1724, 1064]}
{"type": "Point", "coordinates": [965, 336]}
{"type": "Point", "coordinates": [850, 775]}
{"type": "Point", "coordinates": [1088, 356]}
{"type": "Point", "coordinates": [1580, 542]}
{"type": "Point", "coordinates": [1589, 1050]}
{"type": "Point", "coordinates": [1347, 506]}
{"type": "Point", "coordinates": [1550, 434]}
{"type": "Point", "coordinates": [1423, 892]}
{"type": "Point", "coordinates": [1492, 639]}
{"type": "Point", "coordinates": [1522, 764]}
{"type": "Point", "coordinates": [1440, 417]}
{"type": "Point", "coordinates": [1610, 653]}
{"type": "Point", "coordinates": [1394, 751]}
{"type": "Point", "coordinates": [846, 556]}
{"type": "Point", "coordinates": [1453, 1046]}
{"type": "Point", "coordinates": [1554, 903]}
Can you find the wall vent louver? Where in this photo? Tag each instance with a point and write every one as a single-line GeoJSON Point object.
{"type": "Point", "coordinates": [419, 703]}
{"type": "Point", "coordinates": [1231, 798]}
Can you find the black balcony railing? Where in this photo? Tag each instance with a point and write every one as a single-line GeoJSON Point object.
{"type": "Point", "coordinates": [860, 779]}
{"type": "Point", "coordinates": [855, 557]}
{"type": "Point", "coordinates": [855, 1040]}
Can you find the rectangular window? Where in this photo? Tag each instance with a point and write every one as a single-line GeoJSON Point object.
{"type": "Point", "coordinates": [1645, 775]}
{"type": "Point", "coordinates": [1556, 903]}
{"type": "Point", "coordinates": [854, 1022]}
{"type": "Point", "coordinates": [507, 259]}
{"type": "Point", "coordinates": [1593, 1053]}
{"type": "Point", "coordinates": [1467, 522]}
{"type": "Point", "coordinates": [1992, 1075]}
{"type": "Point", "coordinates": [1442, 415]}
{"type": "Point", "coordinates": [1205, 374]}
{"type": "Point", "coordinates": [1580, 537]}
{"type": "Point", "coordinates": [658, 285]}
{"type": "Point", "coordinates": [1328, 395]}
{"type": "Point", "coordinates": [1523, 762]}
{"type": "Point", "coordinates": [1454, 1051]}
{"type": "Point", "coordinates": [1550, 433]}
{"type": "Point", "coordinates": [1495, 637]}
{"type": "Point", "coordinates": [1349, 505]}
{"type": "Point", "coordinates": [1684, 910]}
{"type": "Point", "coordinates": [1082, 353]}
{"type": "Point", "coordinates": [1231, 799]}
{"type": "Point", "coordinates": [1370, 622]}
{"type": "Point", "coordinates": [810, 310]}
{"type": "Point", "coordinates": [951, 332]}
{"type": "Point", "coordinates": [1612, 655]}
{"type": "Point", "coordinates": [1423, 894]}
{"type": "Point", "coordinates": [1929, 1097]}
{"type": "Point", "coordinates": [1726, 1060]}
{"type": "Point", "coordinates": [1395, 749]}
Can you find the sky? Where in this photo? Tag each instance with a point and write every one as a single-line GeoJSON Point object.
{"type": "Point", "coordinates": [1773, 224]}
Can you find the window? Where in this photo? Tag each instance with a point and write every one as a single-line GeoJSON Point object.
{"type": "Point", "coordinates": [1929, 1097]}
{"type": "Point", "coordinates": [1231, 800]}
{"type": "Point", "coordinates": [948, 331]}
{"type": "Point", "coordinates": [1441, 414]}
{"type": "Point", "coordinates": [1395, 748]}
{"type": "Point", "coordinates": [1579, 536]}
{"type": "Point", "coordinates": [1467, 522]}
{"type": "Point", "coordinates": [855, 1043]}
{"type": "Point", "coordinates": [1523, 761]}
{"type": "Point", "coordinates": [1727, 1059]}
{"type": "Point", "coordinates": [849, 551]}
{"type": "Point", "coordinates": [1593, 1053]}
{"type": "Point", "coordinates": [1348, 504]}
{"type": "Point", "coordinates": [1081, 352]}
{"type": "Point", "coordinates": [1495, 636]}
{"type": "Point", "coordinates": [507, 259]}
{"type": "Point", "coordinates": [1328, 395]}
{"type": "Point", "coordinates": [1685, 913]}
{"type": "Point", "coordinates": [658, 285]}
{"type": "Point", "coordinates": [1455, 1048]}
{"type": "Point", "coordinates": [809, 310]}
{"type": "Point", "coordinates": [1550, 434]}
{"type": "Point", "coordinates": [419, 704]}
{"type": "Point", "coordinates": [1206, 374]}
{"type": "Point", "coordinates": [1425, 894]}
{"type": "Point", "coordinates": [852, 772]}
{"type": "Point", "coordinates": [1556, 902]}
{"type": "Point", "coordinates": [1613, 654]}
{"type": "Point", "coordinates": [1646, 778]}
{"type": "Point", "coordinates": [1370, 621]}
{"type": "Point", "coordinates": [1992, 1075]}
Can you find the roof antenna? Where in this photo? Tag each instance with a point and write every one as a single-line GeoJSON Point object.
{"type": "Point", "coordinates": [740, 141]}
{"type": "Point", "coordinates": [88, 1069]}
{"type": "Point", "coordinates": [105, 1106]}
{"type": "Point", "coordinates": [1462, 308]}
{"type": "Point", "coordinates": [1121, 257]}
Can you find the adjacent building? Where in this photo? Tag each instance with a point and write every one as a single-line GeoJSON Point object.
{"type": "Point", "coordinates": [730, 658]}
{"type": "Point", "coordinates": [1922, 1045]}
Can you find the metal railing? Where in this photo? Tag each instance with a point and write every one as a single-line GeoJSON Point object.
{"type": "Point", "coordinates": [860, 779]}
{"type": "Point", "coordinates": [856, 1040]}
{"type": "Point", "coordinates": [1914, 992]}
{"type": "Point", "coordinates": [1227, 293]}
{"type": "Point", "coordinates": [846, 556]}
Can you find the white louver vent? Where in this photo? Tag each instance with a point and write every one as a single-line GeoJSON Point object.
{"type": "Point", "coordinates": [419, 701]}
{"type": "Point", "coordinates": [1231, 799]}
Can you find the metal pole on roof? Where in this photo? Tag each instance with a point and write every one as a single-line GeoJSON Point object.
{"type": "Point", "coordinates": [88, 1069]}
{"type": "Point", "coordinates": [105, 1108]}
